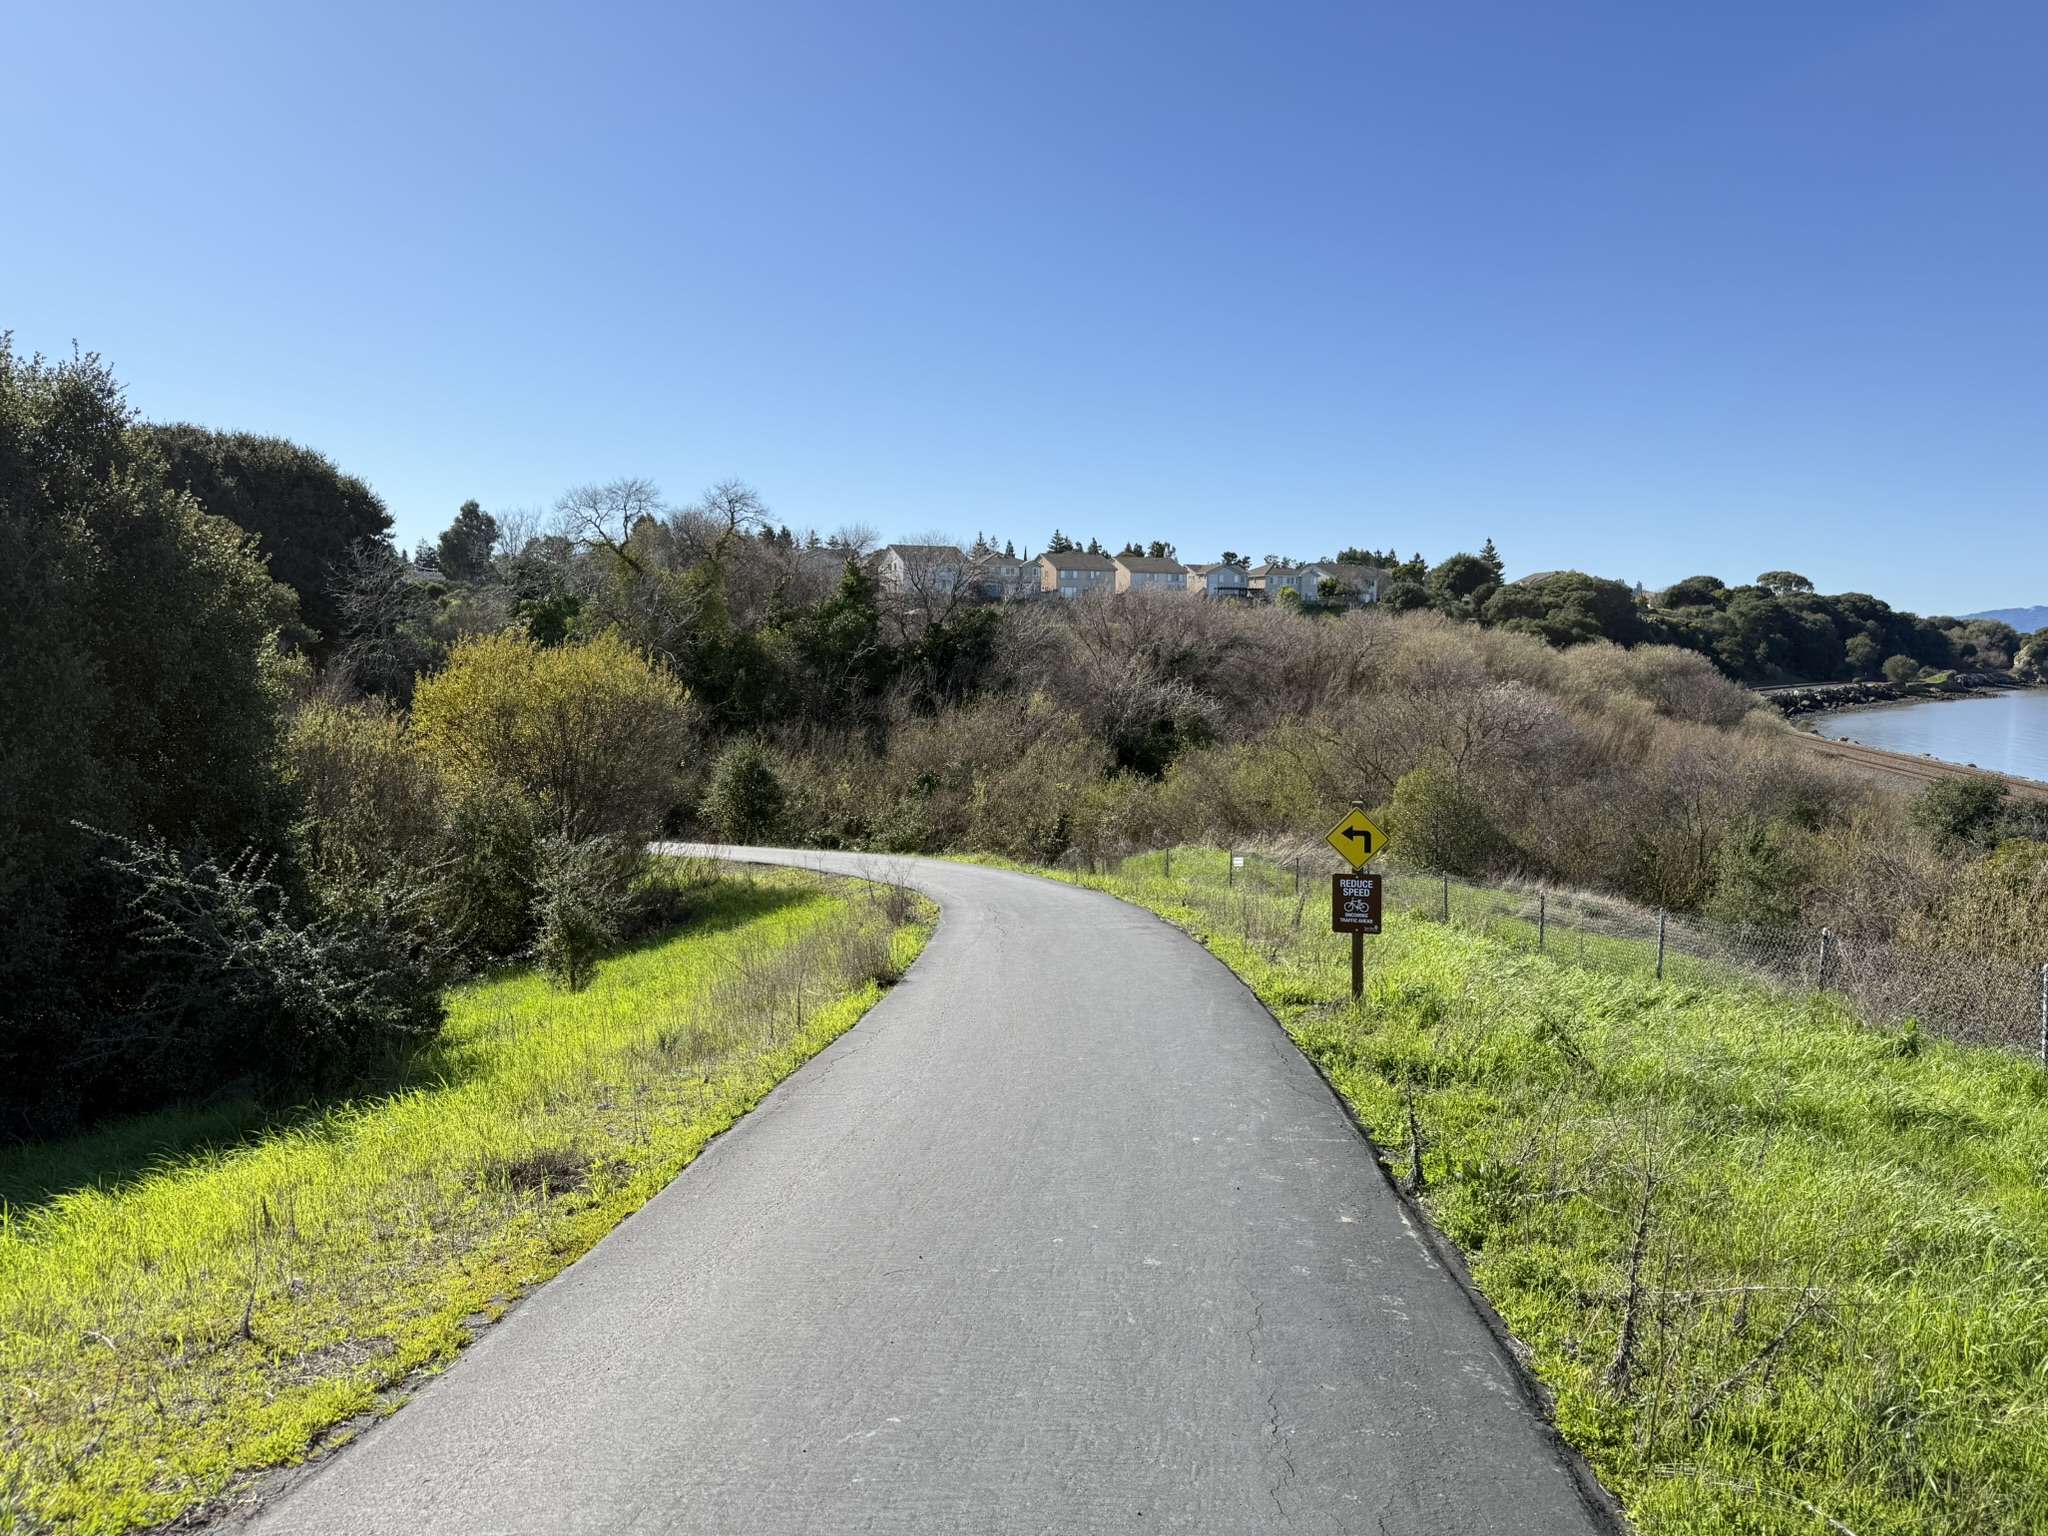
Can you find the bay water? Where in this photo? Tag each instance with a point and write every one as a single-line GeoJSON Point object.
{"type": "Point", "coordinates": [2004, 732]}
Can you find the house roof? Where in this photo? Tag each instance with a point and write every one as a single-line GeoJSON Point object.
{"type": "Point", "coordinates": [1151, 563]}
{"type": "Point", "coordinates": [1203, 570]}
{"type": "Point", "coordinates": [1276, 570]}
{"type": "Point", "coordinates": [1075, 560]}
{"type": "Point", "coordinates": [938, 554]}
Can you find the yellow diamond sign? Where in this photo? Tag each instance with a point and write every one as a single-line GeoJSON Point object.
{"type": "Point", "coordinates": [1357, 839]}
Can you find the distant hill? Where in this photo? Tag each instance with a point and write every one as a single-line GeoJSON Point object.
{"type": "Point", "coordinates": [2025, 620]}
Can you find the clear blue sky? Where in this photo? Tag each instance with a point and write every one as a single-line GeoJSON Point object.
{"type": "Point", "coordinates": [1645, 289]}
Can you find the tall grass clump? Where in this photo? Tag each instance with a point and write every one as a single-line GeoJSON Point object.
{"type": "Point", "coordinates": [1779, 1271]}
{"type": "Point", "coordinates": [190, 1298]}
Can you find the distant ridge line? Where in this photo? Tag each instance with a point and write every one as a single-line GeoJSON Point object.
{"type": "Point", "coordinates": [2025, 620]}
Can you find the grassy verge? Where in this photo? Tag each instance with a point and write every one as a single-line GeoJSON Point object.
{"type": "Point", "coordinates": [1781, 1272]}
{"type": "Point", "coordinates": [188, 1299]}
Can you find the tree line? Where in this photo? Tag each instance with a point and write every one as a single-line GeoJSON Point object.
{"type": "Point", "coordinates": [270, 785]}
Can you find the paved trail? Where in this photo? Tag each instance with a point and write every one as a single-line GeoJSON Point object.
{"type": "Point", "coordinates": [1066, 1236]}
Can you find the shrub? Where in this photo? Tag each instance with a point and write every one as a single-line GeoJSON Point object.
{"type": "Point", "coordinates": [1757, 877]}
{"type": "Point", "coordinates": [591, 734]}
{"type": "Point", "coordinates": [745, 799]}
{"type": "Point", "coordinates": [1958, 811]}
{"type": "Point", "coordinates": [1439, 825]}
{"type": "Point", "coordinates": [1901, 670]}
{"type": "Point", "coordinates": [221, 984]}
{"type": "Point", "coordinates": [484, 887]}
{"type": "Point", "coordinates": [369, 800]}
{"type": "Point", "coordinates": [582, 904]}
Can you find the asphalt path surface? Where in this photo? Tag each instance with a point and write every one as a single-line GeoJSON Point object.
{"type": "Point", "coordinates": [1065, 1236]}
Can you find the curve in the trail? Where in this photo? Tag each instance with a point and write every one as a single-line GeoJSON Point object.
{"type": "Point", "coordinates": [1066, 1236]}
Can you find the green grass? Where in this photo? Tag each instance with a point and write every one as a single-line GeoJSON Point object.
{"type": "Point", "coordinates": [1838, 1236]}
{"type": "Point", "coordinates": [187, 1299]}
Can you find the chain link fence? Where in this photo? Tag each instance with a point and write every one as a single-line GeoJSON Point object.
{"type": "Point", "coordinates": [1973, 999]}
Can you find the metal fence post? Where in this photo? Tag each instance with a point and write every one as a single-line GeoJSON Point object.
{"type": "Point", "coordinates": [1543, 919]}
{"type": "Point", "coordinates": [2044, 1015]}
{"type": "Point", "coordinates": [1660, 943]}
{"type": "Point", "coordinates": [1297, 874]}
{"type": "Point", "coordinates": [1169, 864]}
{"type": "Point", "coordinates": [1820, 970]}
{"type": "Point", "coordinates": [1230, 868]}
{"type": "Point", "coordinates": [1447, 897]}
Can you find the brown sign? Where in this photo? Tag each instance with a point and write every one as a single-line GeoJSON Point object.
{"type": "Point", "coordinates": [1354, 903]}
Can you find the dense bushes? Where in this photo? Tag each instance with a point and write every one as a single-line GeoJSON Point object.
{"type": "Point", "coordinates": [222, 985]}
{"type": "Point", "coordinates": [142, 682]}
{"type": "Point", "coordinates": [514, 799]}
{"type": "Point", "coordinates": [591, 734]}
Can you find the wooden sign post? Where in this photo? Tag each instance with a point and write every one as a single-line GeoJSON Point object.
{"type": "Point", "coordinates": [1355, 905]}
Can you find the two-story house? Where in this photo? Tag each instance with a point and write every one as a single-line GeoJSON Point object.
{"type": "Point", "coordinates": [922, 569]}
{"type": "Point", "coordinates": [1004, 577]}
{"type": "Point", "coordinates": [1273, 579]}
{"type": "Point", "coordinates": [1070, 573]}
{"type": "Point", "coordinates": [1149, 573]}
{"type": "Point", "coordinates": [1218, 580]}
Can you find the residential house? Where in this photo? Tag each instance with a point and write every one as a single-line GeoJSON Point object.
{"type": "Point", "coordinates": [1002, 577]}
{"type": "Point", "coordinates": [1361, 583]}
{"type": "Point", "coordinates": [1071, 573]}
{"type": "Point", "coordinates": [1218, 580]}
{"type": "Point", "coordinates": [1273, 579]}
{"type": "Point", "coordinates": [923, 570]}
{"type": "Point", "coordinates": [1148, 573]}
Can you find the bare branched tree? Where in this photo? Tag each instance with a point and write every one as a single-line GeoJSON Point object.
{"type": "Point", "coordinates": [858, 540]}
{"type": "Point", "coordinates": [607, 516]}
{"type": "Point", "coordinates": [384, 645]}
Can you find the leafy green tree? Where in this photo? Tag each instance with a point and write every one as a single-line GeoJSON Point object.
{"type": "Point", "coordinates": [1900, 669]}
{"type": "Point", "coordinates": [1383, 559]}
{"type": "Point", "coordinates": [1405, 597]}
{"type": "Point", "coordinates": [1461, 583]}
{"type": "Point", "coordinates": [1567, 608]}
{"type": "Point", "coordinates": [140, 685]}
{"type": "Point", "coordinates": [1758, 876]}
{"type": "Point", "coordinates": [305, 514]}
{"type": "Point", "coordinates": [1860, 655]}
{"type": "Point", "coordinates": [840, 662]}
{"type": "Point", "coordinates": [463, 552]}
{"type": "Point", "coordinates": [549, 620]}
{"type": "Point", "coordinates": [1696, 592]}
{"type": "Point", "coordinates": [1783, 583]}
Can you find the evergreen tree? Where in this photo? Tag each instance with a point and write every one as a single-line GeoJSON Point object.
{"type": "Point", "coordinates": [463, 552]}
